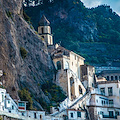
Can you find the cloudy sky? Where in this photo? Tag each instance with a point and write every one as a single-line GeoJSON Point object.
{"type": "Point", "coordinates": [114, 4]}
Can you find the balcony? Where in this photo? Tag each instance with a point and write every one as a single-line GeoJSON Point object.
{"type": "Point", "coordinates": [111, 105]}
{"type": "Point", "coordinates": [102, 93]}
{"type": "Point", "coordinates": [107, 116]}
{"type": "Point", "coordinates": [110, 94]}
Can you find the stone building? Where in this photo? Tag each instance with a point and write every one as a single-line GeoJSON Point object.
{"type": "Point", "coordinates": [87, 75]}
{"type": "Point", "coordinates": [67, 64]}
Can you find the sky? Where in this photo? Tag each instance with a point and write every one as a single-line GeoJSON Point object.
{"type": "Point", "coordinates": [114, 4]}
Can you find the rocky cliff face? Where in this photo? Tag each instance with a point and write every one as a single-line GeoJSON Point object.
{"type": "Point", "coordinates": [36, 68]}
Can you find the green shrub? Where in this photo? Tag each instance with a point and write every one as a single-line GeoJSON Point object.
{"type": "Point", "coordinates": [1, 118]}
{"type": "Point", "coordinates": [55, 91]}
{"type": "Point", "coordinates": [9, 14]}
{"type": "Point", "coordinates": [23, 52]}
{"type": "Point", "coordinates": [25, 96]}
{"type": "Point", "coordinates": [31, 27]}
{"type": "Point", "coordinates": [4, 73]}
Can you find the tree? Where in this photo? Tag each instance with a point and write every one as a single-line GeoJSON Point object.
{"type": "Point", "coordinates": [25, 96]}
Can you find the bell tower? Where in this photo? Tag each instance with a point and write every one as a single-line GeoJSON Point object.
{"type": "Point", "coordinates": [44, 30]}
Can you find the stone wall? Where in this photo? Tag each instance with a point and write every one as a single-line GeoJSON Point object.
{"type": "Point", "coordinates": [62, 80]}
{"type": "Point", "coordinates": [93, 113]}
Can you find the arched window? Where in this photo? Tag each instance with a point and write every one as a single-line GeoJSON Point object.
{"type": "Point", "coordinates": [58, 65]}
{"type": "Point", "coordinates": [66, 65]}
{"type": "Point", "coordinates": [71, 81]}
{"type": "Point", "coordinates": [42, 30]}
{"type": "Point", "coordinates": [108, 78]}
{"type": "Point", "coordinates": [111, 77]}
{"type": "Point", "coordinates": [72, 88]}
{"type": "Point", "coordinates": [40, 117]}
{"type": "Point", "coordinates": [116, 78]}
{"type": "Point", "coordinates": [80, 89]}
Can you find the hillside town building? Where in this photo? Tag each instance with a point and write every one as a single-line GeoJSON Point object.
{"type": "Point", "coordinates": [111, 75]}
{"type": "Point", "coordinates": [89, 97]}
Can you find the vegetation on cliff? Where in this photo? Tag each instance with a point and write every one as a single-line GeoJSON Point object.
{"type": "Point", "coordinates": [25, 96]}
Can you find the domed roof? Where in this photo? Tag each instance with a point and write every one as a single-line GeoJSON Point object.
{"type": "Point", "coordinates": [44, 21]}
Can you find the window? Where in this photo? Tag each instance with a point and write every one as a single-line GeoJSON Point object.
{"type": "Point", "coordinates": [102, 90]}
{"type": "Point", "coordinates": [2, 97]}
{"type": "Point", "coordinates": [75, 57]}
{"type": "Point", "coordinates": [66, 65]}
{"type": "Point", "coordinates": [116, 78]}
{"type": "Point", "coordinates": [111, 114]}
{"type": "Point", "coordinates": [111, 77]}
{"type": "Point", "coordinates": [42, 30]}
{"type": "Point", "coordinates": [72, 88]}
{"type": "Point", "coordinates": [116, 113]}
{"type": "Point", "coordinates": [78, 114]}
{"type": "Point", "coordinates": [58, 65]}
{"type": "Point", "coordinates": [8, 101]}
{"type": "Point", "coordinates": [101, 112]}
{"type": "Point", "coordinates": [107, 78]}
{"type": "Point", "coordinates": [35, 115]}
{"type": "Point", "coordinates": [110, 103]}
{"type": "Point", "coordinates": [40, 117]}
{"type": "Point", "coordinates": [110, 92]}
{"type": "Point", "coordinates": [71, 114]}
{"type": "Point", "coordinates": [12, 107]}
{"type": "Point", "coordinates": [21, 104]}
{"type": "Point", "coordinates": [102, 102]}
{"type": "Point", "coordinates": [80, 89]}
{"type": "Point", "coordinates": [22, 114]}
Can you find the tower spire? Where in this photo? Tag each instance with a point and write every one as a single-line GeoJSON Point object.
{"type": "Point", "coordinates": [44, 21]}
{"type": "Point", "coordinates": [44, 30]}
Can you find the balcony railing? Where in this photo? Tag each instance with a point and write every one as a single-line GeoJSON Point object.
{"type": "Point", "coordinates": [111, 105]}
{"type": "Point", "coordinates": [102, 93]}
{"type": "Point", "coordinates": [110, 94]}
{"type": "Point", "coordinates": [107, 116]}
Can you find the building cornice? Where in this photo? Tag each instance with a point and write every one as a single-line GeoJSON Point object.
{"type": "Point", "coordinates": [102, 106]}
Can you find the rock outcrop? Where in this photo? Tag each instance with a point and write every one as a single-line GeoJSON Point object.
{"type": "Point", "coordinates": [29, 72]}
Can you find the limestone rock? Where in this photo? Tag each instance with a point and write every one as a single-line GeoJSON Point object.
{"type": "Point", "coordinates": [36, 68]}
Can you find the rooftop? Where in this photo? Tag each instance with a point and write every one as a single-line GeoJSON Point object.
{"type": "Point", "coordinates": [44, 21]}
{"type": "Point", "coordinates": [61, 51]}
{"type": "Point", "coordinates": [108, 82]}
